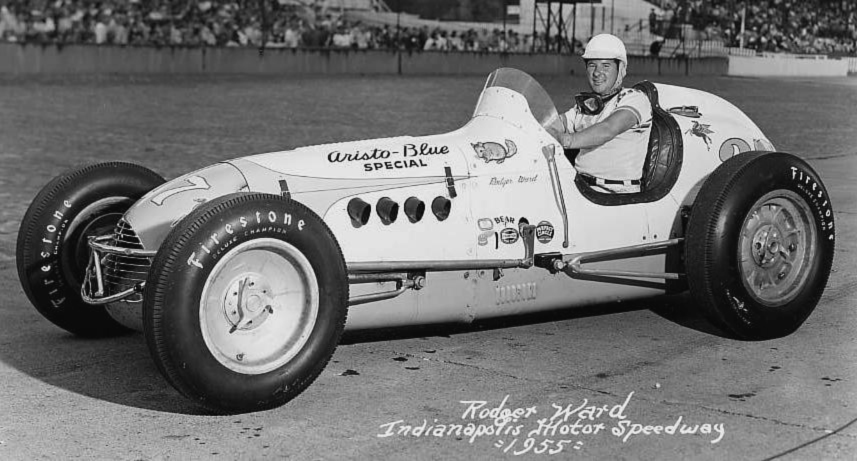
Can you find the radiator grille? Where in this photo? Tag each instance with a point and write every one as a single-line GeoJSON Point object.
{"type": "Point", "coordinates": [122, 272]}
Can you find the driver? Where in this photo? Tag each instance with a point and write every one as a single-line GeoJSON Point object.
{"type": "Point", "coordinates": [611, 124]}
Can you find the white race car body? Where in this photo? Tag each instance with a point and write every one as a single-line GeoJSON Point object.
{"type": "Point", "coordinates": [243, 275]}
{"type": "Point", "coordinates": [498, 173]}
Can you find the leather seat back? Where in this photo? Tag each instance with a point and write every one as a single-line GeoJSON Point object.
{"type": "Point", "coordinates": [664, 156]}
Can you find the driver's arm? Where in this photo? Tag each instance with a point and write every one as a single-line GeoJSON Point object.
{"type": "Point", "coordinates": [563, 120]}
{"type": "Point", "coordinates": [601, 132]}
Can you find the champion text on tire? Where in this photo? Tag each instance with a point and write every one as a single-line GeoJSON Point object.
{"type": "Point", "coordinates": [246, 302]}
{"type": "Point", "coordinates": [759, 244]}
{"type": "Point", "coordinates": [52, 251]}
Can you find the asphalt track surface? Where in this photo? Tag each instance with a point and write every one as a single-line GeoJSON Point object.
{"type": "Point", "coordinates": [62, 397]}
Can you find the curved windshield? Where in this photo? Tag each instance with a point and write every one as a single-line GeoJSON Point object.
{"type": "Point", "coordinates": [541, 105]}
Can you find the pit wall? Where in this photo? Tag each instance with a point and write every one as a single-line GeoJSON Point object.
{"type": "Point", "coordinates": [91, 59]}
{"type": "Point", "coordinates": [852, 65]}
{"type": "Point", "coordinates": [787, 66]}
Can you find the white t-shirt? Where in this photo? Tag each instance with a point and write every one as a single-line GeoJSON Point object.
{"type": "Point", "coordinates": [622, 157]}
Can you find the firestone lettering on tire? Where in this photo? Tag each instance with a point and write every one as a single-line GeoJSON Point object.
{"type": "Point", "coordinates": [218, 242]}
{"type": "Point", "coordinates": [51, 239]}
{"type": "Point", "coordinates": [815, 194]}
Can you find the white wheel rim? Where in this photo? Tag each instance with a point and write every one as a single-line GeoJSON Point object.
{"type": "Point", "coordinates": [278, 294]}
{"type": "Point", "coordinates": [776, 248]}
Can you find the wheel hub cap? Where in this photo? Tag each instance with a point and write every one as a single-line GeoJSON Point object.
{"type": "Point", "coordinates": [259, 306]}
{"type": "Point", "coordinates": [248, 303]}
{"type": "Point", "coordinates": [775, 248]}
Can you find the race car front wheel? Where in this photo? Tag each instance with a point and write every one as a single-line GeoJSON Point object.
{"type": "Point", "coordinates": [246, 302]}
{"type": "Point", "coordinates": [759, 244]}
{"type": "Point", "coordinates": [52, 250]}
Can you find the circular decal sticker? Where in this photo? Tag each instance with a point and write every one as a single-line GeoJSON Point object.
{"type": "Point", "coordinates": [509, 235]}
{"type": "Point", "coordinates": [544, 232]}
{"type": "Point", "coordinates": [732, 147]}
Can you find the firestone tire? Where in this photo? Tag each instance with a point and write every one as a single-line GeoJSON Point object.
{"type": "Point", "coordinates": [246, 302]}
{"type": "Point", "coordinates": [759, 245]}
{"type": "Point", "coordinates": [52, 251]}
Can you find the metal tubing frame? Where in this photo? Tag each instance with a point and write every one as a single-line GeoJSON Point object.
{"type": "Point", "coordinates": [434, 266]}
{"type": "Point", "coordinates": [95, 244]}
{"type": "Point", "coordinates": [97, 298]}
{"type": "Point", "coordinates": [372, 278]}
{"type": "Point", "coordinates": [401, 287]}
{"type": "Point", "coordinates": [550, 154]}
{"type": "Point", "coordinates": [113, 298]}
{"type": "Point", "coordinates": [95, 260]}
{"type": "Point", "coordinates": [359, 272]}
{"type": "Point", "coordinates": [571, 264]}
{"type": "Point", "coordinates": [370, 272]}
{"type": "Point", "coordinates": [401, 272]}
{"type": "Point", "coordinates": [97, 247]}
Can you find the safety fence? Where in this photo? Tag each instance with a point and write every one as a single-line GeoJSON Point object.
{"type": "Point", "coordinates": [92, 59]}
{"type": "Point", "coordinates": [768, 54]}
{"type": "Point", "coordinates": [794, 64]}
{"type": "Point", "coordinates": [735, 51]}
{"type": "Point", "coordinates": [783, 65]}
{"type": "Point", "coordinates": [693, 48]}
{"type": "Point", "coordinates": [852, 65]}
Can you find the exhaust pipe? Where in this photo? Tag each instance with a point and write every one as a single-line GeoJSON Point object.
{"type": "Point", "coordinates": [414, 209]}
{"type": "Point", "coordinates": [387, 210]}
{"type": "Point", "coordinates": [359, 211]}
{"type": "Point", "coordinates": [441, 206]}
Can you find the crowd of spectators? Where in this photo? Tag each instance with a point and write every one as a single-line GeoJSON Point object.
{"type": "Point", "coordinates": [268, 23]}
{"type": "Point", "coordinates": [792, 26]}
{"type": "Point", "coordinates": [796, 26]}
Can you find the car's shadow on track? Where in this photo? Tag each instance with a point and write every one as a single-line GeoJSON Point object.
{"type": "Point", "coordinates": [119, 370]}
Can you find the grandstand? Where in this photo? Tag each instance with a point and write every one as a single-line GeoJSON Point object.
{"type": "Point", "coordinates": [342, 5]}
{"type": "Point", "coordinates": [683, 27]}
{"type": "Point", "coordinates": [625, 18]}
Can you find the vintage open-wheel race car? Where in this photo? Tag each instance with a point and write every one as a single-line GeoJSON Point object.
{"type": "Point", "coordinates": [241, 275]}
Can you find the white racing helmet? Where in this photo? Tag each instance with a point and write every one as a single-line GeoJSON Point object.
{"type": "Point", "coordinates": [607, 46]}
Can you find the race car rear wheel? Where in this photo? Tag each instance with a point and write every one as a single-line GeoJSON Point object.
{"type": "Point", "coordinates": [52, 250]}
{"type": "Point", "coordinates": [246, 302]}
{"type": "Point", "coordinates": [759, 244]}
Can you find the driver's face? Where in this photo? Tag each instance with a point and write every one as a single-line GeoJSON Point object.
{"type": "Point", "coordinates": [602, 74]}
